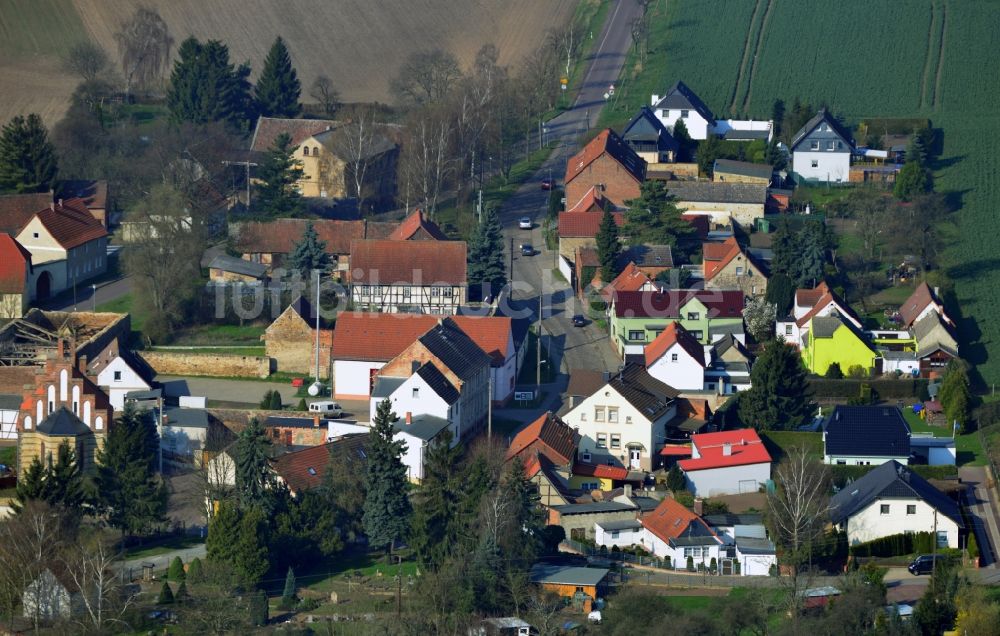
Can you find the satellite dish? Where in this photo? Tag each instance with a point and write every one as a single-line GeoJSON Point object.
{"type": "Point", "coordinates": [315, 388]}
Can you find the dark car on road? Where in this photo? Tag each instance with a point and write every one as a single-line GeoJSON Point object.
{"type": "Point", "coordinates": [924, 564]}
{"type": "Point", "coordinates": [527, 249]}
{"type": "Point", "coordinates": [579, 320]}
{"type": "Point", "coordinates": [547, 184]}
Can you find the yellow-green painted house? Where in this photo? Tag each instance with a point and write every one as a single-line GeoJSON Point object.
{"type": "Point", "coordinates": [830, 340]}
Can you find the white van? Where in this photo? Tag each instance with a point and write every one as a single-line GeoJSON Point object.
{"type": "Point", "coordinates": [329, 409]}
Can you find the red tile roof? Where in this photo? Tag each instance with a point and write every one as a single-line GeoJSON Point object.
{"type": "Point", "coordinates": [418, 262]}
{"type": "Point", "coordinates": [601, 471]}
{"type": "Point", "coordinates": [674, 450]}
{"type": "Point", "coordinates": [921, 297]}
{"type": "Point", "coordinates": [824, 301]}
{"type": "Point", "coordinates": [584, 224]}
{"type": "Point", "coordinates": [15, 264]}
{"type": "Point", "coordinates": [631, 279]}
{"type": "Point", "coordinates": [281, 235]}
{"type": "Point", "coordinates": [305, 469]}
{"type": "Point", "coordinates": [410, 227]}
{"type": "Point", "coordinates": [717, 255]}
{"type": "Point", "coordinates": [548, 436]}
{"type": "Point", "coordinates": [809, 297]}
{"type": "Point", "coordinates": [268, 129]}
{"type": "Point", "coordinates": [670, 520]}
{"type": "Point", "coordinates": [744, 446]}
{"type": "Point", "coordinates": [493, 334]}
{"type": "Point", "coordinates": [607, 142]}
{"type": "Point", "coordinates": [674, 334]}
{"type": "Point", "coordinates": [668, 304]}
{"type": "Point", "coordinates": [592, 201]}
{"type": "Point", "coordinates": [17, 209]}
{"type": "Point", "coordinates": [70, 223]}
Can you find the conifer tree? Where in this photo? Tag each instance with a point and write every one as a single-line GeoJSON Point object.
{"type": "Point", "coordinates": [205, 86]}
{"type": "Point", "coordinates": [785, 251]}
{"type": "Point", "coordinates": [278, 195]}
{"type": "Point", "coordinates": [435, 515]}
{"type": "Point", "coordinates": [309, 254]}
{"type": "Point", "coordinates": [250, 551]}
{"type": "Point", "coordinates": [130, 493]}
{"type": "Point", "coordinates": [387, 508]}
{"type": "Point", "coordinates": [608, 247]}
{"type": "Point", "coordinates": [779, 397]}
{"type": "Point", "coordinates": [654, 218]}
{"type": "Point", "coordinates": [27, 157]}
{"type": "Point", "coordinates": [812, 255]}
{"type": "Point", "coordinates": [253, 474]}
{"type": "Point", "coordinates": [955, 393]}
{"type": "Point", "coordinates": [60, 484]}
{"type": "Point", "coordinates": [288, 595]}
{"type": "Point", "coordinates": [683, 139]}
{"type": "Point", "coordinates": [523, 543]}
{"type": "Point", "coordinates": [487, 267]}
{"type": "Point", "coordinates": [182, 592]}
{"type": "Point", "coordinates": [176, 570]}
{"type": "Point", "coordinates": [166, 596]}
{"type": "Point", "coordinates": [222, 528]}
{"type": "Point", "coordinates": [278, 89]}
{"type": "Point", "coordinates": [195, 570]}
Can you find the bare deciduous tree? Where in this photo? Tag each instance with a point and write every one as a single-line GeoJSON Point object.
{"type": "Point", "coordinates": [87, 61]}
{"type": "Point", "coordinates": [328, 97]}
{"type": "Point", "coordinates": [30, 543]}
{"type": "Point", "coordinates": [566, 41]}
{"type": "Point", "coordinates": [426, 76]}
{"type": "Point", "coordinates": [358, 144]}
{"type": "Point", "coordinates": [90, 565]}
{"type": "Point", "coordinates": [144, 44]}
{"type": "Point", "coordinates": [428, 159]}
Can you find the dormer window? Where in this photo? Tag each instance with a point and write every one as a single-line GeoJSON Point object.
{"type": "Point", "coordinates": [814, 145]}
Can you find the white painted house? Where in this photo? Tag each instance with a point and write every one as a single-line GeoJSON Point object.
{"type": "Point", "coordinates": [427, 392]}
{"type": "Point", "coordinates": [746, 539]}
{"type": "Point", "coordinates": [821, 150]}
{"type": "Point", "coordinates": [819, 301]}
{"type": "Point", "coordinates": [119, 377]}
{"type": "Point", "coordinates": [726, 463]}
{"type": "Point", "coordinates": [622, 533]}
{"type": "Point", "coordinates": [418, 432]}
{"type": "Point", "coordinates": [892, 499]}
{"type": "Point", "coordinates": [681, 103]}
{"type": "Point", "coordinates": [624, 422]}
{"type": "Point", "coordinates": [677, 359]}
{"type": "Point", "coordinates": [674, 531]}
{"type": "Point", "coordinates": [865, 436]}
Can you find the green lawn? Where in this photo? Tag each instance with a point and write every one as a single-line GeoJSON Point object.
{"type": "Point", "coordinates": [968, 447]}
{"type": "Point", "coordinates": [8, 455]}
{"type": "Point", "coordinates": [214, 334]}
{"type": "Point", "coordinates": [778, 443]}
{"type": "Point", "coordinates": [368, 565]}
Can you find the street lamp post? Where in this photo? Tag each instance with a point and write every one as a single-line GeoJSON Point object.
{"type": "Point", "coordinates": [93, 294]}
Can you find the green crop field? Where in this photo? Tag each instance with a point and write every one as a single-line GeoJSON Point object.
{"type": "Point", "coordinates": [862, 58]}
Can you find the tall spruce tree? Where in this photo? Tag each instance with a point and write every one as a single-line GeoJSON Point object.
{"type": "Point", "coordinates": [684, 142]}
{"type": "Point", "coordinates": [608, 247]}
{"type": "Point", "coordinates": [955, 394]}
{"type": "Point", "coordinates": [278, 194]}
{"type": "Point", "coordinates": [250, 547]}
{"type": "Point", "coordinates": [130, 494]}
{"type": "Point", "coordinates": [309, 254]}
{"type": "Point", "coordinates": [387, 508]}
{"type": "Point", "coordinates": [27, 157]}
{"type": "Point", "coordinates": [812, 255]}
{"type": "Point", "coordinates": [785, 259]}
{"type": "Point", "coordinates": [222, 528]}
{"type": "Point", "coordinates": [253, 473]}
{"type": "Point", "coordinates": [205, 86]}
{"type": "Point", "coordinates": [60, 484]}
{"type": "Point", "coordinates": [654, 218]}
{"type": "Point", "coordinates": [435, 517]}
{"type": "Point", "coordinates": [779, 397]}
{"type": "Point", "coordinates": [487, 266]}
{"type": "Point", "coordinates": [278, 89]}
{"type": "Point", "coordinates": [523, 543]}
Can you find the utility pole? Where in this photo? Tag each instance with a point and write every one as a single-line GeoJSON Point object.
{"type": "Point", "coordinates": [934, 546]}
{"type": "Point", "coordinates": [247, 164]}
{"type": "Point", "coordinates": [489, 408]}
{"type": "Point", "coordinates": [538, 344]}
{"type": "Point", "coordinates": [399, 586]}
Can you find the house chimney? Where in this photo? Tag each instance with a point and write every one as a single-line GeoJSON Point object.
{"type": "Point", "coordinates": [316, 421]}
{"type": "Point", "coordinates": [628, 490]}
{"type": "Point", "coordinates": [61, 348]}
{"type": "Point", "coordinates": [409, 418]}
{"type": "Point", "coordinates": [52, 206]}
{"type": "Point", "coordinates": [81, 363]}
{"type": "Point", "coordinates": [727, 449]}
{"type": "Point", "coordinates": [699, 506]}
{"type": "Point", "coordinates": [60, 202]}
{"type": "Point", "coordinates": [937, 292]}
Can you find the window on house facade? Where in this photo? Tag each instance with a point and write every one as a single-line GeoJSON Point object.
{"type": "Point", "coordinates": [615, 534]}
{"type": "Point", "coordinates": [435, 292]}
{"type": "Point", "coordinates": [814, 145]}
{"type": "Point", "coordinates": [739, 271]}
{"type": "Point", "coordinates": [673, 357]}
{"type": "Point", "coordinates": [612, 415]}
{"type": "Point", "coordinates": [684, 114]}
{"type": "Point", "coordinates": [446, 292]}
{"type": "Point", "coordinates": [830, 145]}
{"type": "Point", "coordinates": [602, 440]}
{"type": "Point", "coordinates": [586, 456]}
{"type": "Point", "coordinates": [911, 510]}
{"type": "Point", "coordinates": [788, 330]}
{"type": "Point", "coordinates": [598, 413]}
{"type": "Point", "coordinates": [406, 292]}
{"type": "Point", "coordinates": [118, 376]}
{"type": "Point", "coordinates": [841, 462]}
{"type": "Point", "coordinates": [814, 163]}
{"type": "Point", "coordinates": [365, 290]}
{"type": "Point", "coordinates": [697, 334]}
{"type": "Point", "coordinates": [416, 393]}
{"type": "Point", "coordinates": [636, 334]}
{"type": "Point", "coordinates": [628, 419]}
{"type": "Point", "coordinates": [616, 440]}
{"type": "Point", "coordinates": [583, 416]}
{"type": "Point", "coordinates": [884, 509]}
{"type": "Point", "coordinates": [693, 315]}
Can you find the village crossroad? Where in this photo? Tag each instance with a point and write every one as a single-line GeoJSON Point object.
{"type": "Point", "coordinates": [572, 347]}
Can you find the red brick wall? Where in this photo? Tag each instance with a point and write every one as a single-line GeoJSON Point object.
{"type": "Point", "coordinates": [619, 184]}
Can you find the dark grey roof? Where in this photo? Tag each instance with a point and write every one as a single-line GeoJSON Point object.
{"type": "Point", "coordinates": [186, 418]}
{"type": "Point", "coordinates": [425, 427]}
{"type": "Point", "coordinates": [753, 545]}
{"type": "Point", "coordinates": [891, 480]}
{"type": "Point", "coordinates": [648, 256]}
{"type": "Point", "coordinates": [732, 328]}
{"type": "Point", "coordinates": [866, 431]}
{"type": "Point", "coordinates": [455, 349]}
{"type": "Point", "coordinates": [238, 266]}
{"type": "Point", "coordinates": [151, 394]}
{"type": "Point", "coordinates": [734, 134]}
{"type": "Point", "coordinates": [899, 355]}
{"type": "Point", "coordinates": [62, 423]}
{"type": "Point", "coordinates": [715, 192]}
{"type": "Point", "coordinates": [728, 519]}
{"type": "Point", "coordinates": [593, 507]}
{"type": "Point", "coordinates": [651, 397]}
{"type": "Point", "coordinates": [743, 168]}
{"type": "Point", "coordinates": [645, 503]}
{"type": "Point", "coordinates": [625, 524]}
{"type": "Point", "coordinates": [10, 402]}
{"type": "Point", "coordinates": [821, 116]}
{"type": "Point", "coordinates": [728, 342]}
{"type": "Point", "coordinates": [928, 326]}
{"type": "Point", "coordinates": [825, 326]}
{"type": "Point", "coordinates": [386, 386]}
{"type": "Point", "coordinates": [566, 575]}
{"type": "Point", "coordinates": [646, 128]}
{"type": "Point", "coordinates": [681, 97]}
{"type": "Point", "coordinates": [430, 374]}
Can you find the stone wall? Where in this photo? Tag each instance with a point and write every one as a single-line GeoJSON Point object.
{"type": "Point", "coordinates": [291, 344]}
{"type": "Point", "coordinates": [619, 184]}
{"type": "Point", "coordinates": [211, 365]}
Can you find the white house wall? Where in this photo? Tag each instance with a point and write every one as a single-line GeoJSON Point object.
{"type": "Point", "coordinates": [686, 373]}
{"type": "Point", "coordinates": [352, 378]}
{"type": "Point", "coordinates": [697, 126]}
{"type": "Point", "coordinates": [413, 455]}
{"type": "Point", "coordinates": [427, 402]}
{"type": "Point", "coordinates": [729, 480]}
{"type": "Point", "coordinates": [8, 424]}
{"type": "Point", "coordinates": [869, 523]}
{"type": "Point", "coordinates": [626, 538]}
{"type": "Point", "coordinates": [116, 389]}
{"type": "Point", "coordinates": [755, 564]}
{"type": "Point", "coordinates": [831, 166]}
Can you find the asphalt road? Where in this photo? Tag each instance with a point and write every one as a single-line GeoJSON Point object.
{"type": "Point", "coordinates": [570, 347]}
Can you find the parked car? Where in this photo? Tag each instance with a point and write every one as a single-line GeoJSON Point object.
{"type": "Point", "coordinates": [924, 564]}
{"type": "Point", "coordinates": [524, 223]}
{"type": "Point", "coordinates": [527, 249]}
{"type": "Point", "coordinates": [579, 320]}
{"type": "Point", "coordinates": [327, 408]}
{"type": "Point", "coordinates": [547, 184]}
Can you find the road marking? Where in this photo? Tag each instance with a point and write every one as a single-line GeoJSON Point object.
{"type": "Point", "coordinates": [598, 53]}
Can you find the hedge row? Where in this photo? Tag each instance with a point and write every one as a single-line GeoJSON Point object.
{"type": "Point", "coordinates": [843, 474]}
{"type": "Point", "coordinates": [885, 389]}
{"type": "Point", "coordinates": [895, 545]}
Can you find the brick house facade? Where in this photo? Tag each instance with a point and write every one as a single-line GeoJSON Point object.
{"type": "Point", "coordinates": [609, 163]}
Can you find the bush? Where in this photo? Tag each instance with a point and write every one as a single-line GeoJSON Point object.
{"type": "Point", "coordinates": [276, 401]}
{"type": "Point", "coordinates": [972, 546]}
{"type": "Point", "coordinates": [258, 608]}
{"type": "Point", "coordinates": [598, 305]}
{"type": "Point", "coordinates": [773, 570]}
{"type": "Point", "coordinates": [895, 545]}
{"type": "Point", "coordinates": [182, 593]}
{"type": "Point", "coordinates": [856, 371]}
{"type": "Point", "coordinates": [176, 570]}
{"type": "Point", "coordinates": [265, 402]}
{"type": "Point", "coordinates": [713, 565]}
{"type": "Point", "coordinates": [667, 562]}
{"type": "Point", "coordinates": [194, 573]}
{"type": "Point", "coordinates": [302, 405]}
{"type": "Point", "coordinates": [833, 372]}
{"type": "Point", "coordinates": [690, 565]}
{"type": "Point", "coordinates": [675, 479]}
{"type": "Point", "coordinates": [166, 596]}
{"type": "Point", "coordinates": [716, 507]}
{"type": "Point", "coordinates": [885, 388]}
{"type": "Point", "coordinates": [684, 498]}
{"type": "Point", "coordinates": [307, 605]}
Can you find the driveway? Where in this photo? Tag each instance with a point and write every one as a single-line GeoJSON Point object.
{"type": "Point", "coordinates": [570, 347]}
{"type": "Point", "coordinates": [982, 508]}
